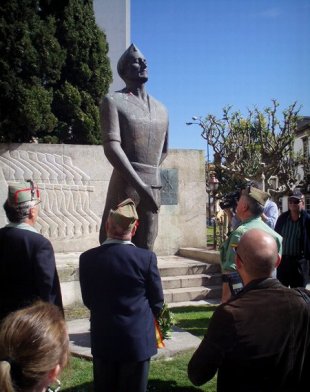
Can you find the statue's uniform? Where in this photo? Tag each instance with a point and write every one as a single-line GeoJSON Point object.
{"type": "Point", "coordinates": [142, 130]}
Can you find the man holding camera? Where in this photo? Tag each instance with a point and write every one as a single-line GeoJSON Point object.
{"type": "Point", "coordinates": [269, 215]}
{"type": "Point", "coordinates": [249, 209]}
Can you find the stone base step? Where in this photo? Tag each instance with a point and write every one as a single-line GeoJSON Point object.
{"type": "Point", "coordinates": [184, 278]}
{"type": "Point", "coordinates": [201, 254]}
{"type": "Point", "coordinates": [185, 281]}
{"type": "Point", "coordinates": [192, 294]}
{"type": "Point", "coordinates": [205, 303]}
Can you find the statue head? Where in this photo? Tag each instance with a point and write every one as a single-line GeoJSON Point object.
{"type": "Point", "coordinates": [132, 65]}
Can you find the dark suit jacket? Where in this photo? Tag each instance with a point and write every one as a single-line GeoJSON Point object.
{"type": "Point", "coordinates": [258, 341]}
{"type": "Point", "coordinates": [305, 229]}
{"type": "Point", "coordinates": [27, 270]}
{"type": "Point", "coordinates": [121, 286]}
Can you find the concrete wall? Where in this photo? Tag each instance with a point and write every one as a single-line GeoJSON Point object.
{"type": "Point", "coordinates": [73, 180]}
{"type": "Point", "coordinates": [113, 17]}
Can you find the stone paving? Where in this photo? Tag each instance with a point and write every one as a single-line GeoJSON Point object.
{"type": "Point", "coordinates": [80, 341]}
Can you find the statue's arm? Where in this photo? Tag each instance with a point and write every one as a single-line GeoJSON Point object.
{"type": "Point", "coordinates": [165, 146]}
{"type": "Point", "coordinates": [117, 156]}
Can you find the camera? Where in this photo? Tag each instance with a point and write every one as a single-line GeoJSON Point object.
{"type": "Point", "coordinates": [230, 200]}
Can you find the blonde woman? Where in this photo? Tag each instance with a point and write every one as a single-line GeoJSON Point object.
{"type": "Point", "coordinates": [34, 348]}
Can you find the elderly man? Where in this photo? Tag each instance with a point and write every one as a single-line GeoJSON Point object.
{"type": "Point", "coordinates": [294, 226]}
{"type": "Point", "coordinates": [121, 285]}
{"type": "Point", "coordinates": [135, 139]}
{"type": "Point", "coordinates": [249, 210]}
{"type": "Point", "coordinates": [259, 341]}
{"type": "Point", "coordinates": [27, 261]}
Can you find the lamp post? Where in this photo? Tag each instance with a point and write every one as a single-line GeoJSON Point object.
{"type": "Point", "coordinates": [198, 121]}
{"type": "Point", "coordinates": [214, 184]}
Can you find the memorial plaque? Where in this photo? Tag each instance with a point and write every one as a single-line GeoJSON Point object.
{"type": "Point", "coordinates": [170, 183]}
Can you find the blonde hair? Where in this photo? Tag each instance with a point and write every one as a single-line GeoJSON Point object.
{"type": "Point", "coordinates": [33, 341]}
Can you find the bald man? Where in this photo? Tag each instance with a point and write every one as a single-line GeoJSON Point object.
{"type": "Point", "coordinates": [260, 339]}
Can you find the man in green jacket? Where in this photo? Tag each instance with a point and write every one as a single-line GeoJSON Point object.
{"type": "Point", "coordinates": [249, 210]}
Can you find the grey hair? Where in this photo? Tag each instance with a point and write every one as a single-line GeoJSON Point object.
{"type": "Point", "coordinates": [19, 213]}
{"type": "Point", "coordinates": [255, 208]}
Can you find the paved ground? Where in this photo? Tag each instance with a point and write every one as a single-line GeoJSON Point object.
{"type": "Point", "coordinates": [80, 341]}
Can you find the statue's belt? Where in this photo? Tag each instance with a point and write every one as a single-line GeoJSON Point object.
{"type": "Point", "coordinates": [148, 173]}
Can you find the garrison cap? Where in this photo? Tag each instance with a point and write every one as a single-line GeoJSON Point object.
{"type": "Point", "coordinates": [125, 214]}
{"type": "Point", "coordinates": [260, 196]}
{"type": "Point", "coordinates": [21, 192]}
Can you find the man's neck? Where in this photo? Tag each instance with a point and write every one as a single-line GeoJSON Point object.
{"type": "Point", "coordinates": [295, 215]}
{"type": "Point", "coordinates": [137, 90]}
{"type": "Point", "coordinates": [29, 221]}
{"type": "Point", "coordinates": [119, 237]}
{"type": "Point", "coordinates": [247, 216]}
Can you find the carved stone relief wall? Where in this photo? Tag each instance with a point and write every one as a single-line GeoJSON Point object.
{"type": "Point", "coordinates": [65, 209]}
{"type": "Point", "coordinates": [73, 181]}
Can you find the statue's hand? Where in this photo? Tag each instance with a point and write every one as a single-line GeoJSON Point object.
{"type": "Point", "coordinates": [147, 198]}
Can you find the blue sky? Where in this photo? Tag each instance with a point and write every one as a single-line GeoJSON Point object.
{"type": "Point", "coordinates": [206, 54]}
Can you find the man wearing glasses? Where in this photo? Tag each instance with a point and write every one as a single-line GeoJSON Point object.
{"type": "Point", "coordinates": [27, 261]}
{"type": "Point", "coordinates": [249, 209]}
{"type": "Point", "coordinates": [294, 227]}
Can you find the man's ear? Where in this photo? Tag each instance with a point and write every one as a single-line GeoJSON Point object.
{"type": "Point", "coordinates": [278, 261]}
{"type": "Point", "coordinates": [134, 229]}
{"type": "Point", "coordinates": [31, 212]}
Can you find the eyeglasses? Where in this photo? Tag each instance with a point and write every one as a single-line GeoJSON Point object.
{"type": "Point", "coordinates": [294, 201]}
{"type": "Point", "coordinates": [235, 248]}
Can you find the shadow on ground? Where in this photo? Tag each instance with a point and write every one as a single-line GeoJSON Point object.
{"type": "Point", "coordinates": [80, 339]}
{"type": "Point", "coordinates": [153, 386]}
{"type": "Point", "coordinates": [87, 387]}
{"type": "Point", "coordinates": [168, 386]}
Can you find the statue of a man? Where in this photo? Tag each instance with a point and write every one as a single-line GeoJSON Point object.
{"type": "Point", "coordinates": [135, 140]}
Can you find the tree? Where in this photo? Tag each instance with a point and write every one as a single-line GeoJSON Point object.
{"type": "Point", "coordinates": [254, 146]}
{"type": "Point", "coordinates": [53, 71]}
{"type": "Point", "coordinates": [30, 63]}
{"type": "Point", "coordinates": [85, 76]}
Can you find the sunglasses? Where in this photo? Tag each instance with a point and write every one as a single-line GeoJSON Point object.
{"type": "Point", "coordinates": [294, 201]}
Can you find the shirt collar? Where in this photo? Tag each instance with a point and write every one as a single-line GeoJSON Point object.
{"type": "Point", "coordinates": [23, 226]}
{"type": "Point", "coordinates": [251, 219]}
{"type": "Point", "coordinates": [109, 241]}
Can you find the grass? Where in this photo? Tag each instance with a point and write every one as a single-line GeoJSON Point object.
{"type": "Point", "coordinates": [166, 375]}
{"type": "Point", "coordinates": [193, 319]}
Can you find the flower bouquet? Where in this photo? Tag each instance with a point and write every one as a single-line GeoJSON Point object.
{"type": "Point", "coordinates": [163, 325]}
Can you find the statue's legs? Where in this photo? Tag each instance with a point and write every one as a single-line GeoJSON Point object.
{"type": "Point", "coordinates": [148, 228]}
{"type": "Point", "coordinates": [147, 231]}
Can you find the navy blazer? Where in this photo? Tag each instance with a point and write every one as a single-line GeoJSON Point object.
{"type": "Point", "coordinates": [27, 270]}
{"type": "Point", "coordinates": [121, 286]}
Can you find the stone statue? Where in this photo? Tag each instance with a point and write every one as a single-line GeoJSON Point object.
{"type": "Point", "coordinates": [135, 140]}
